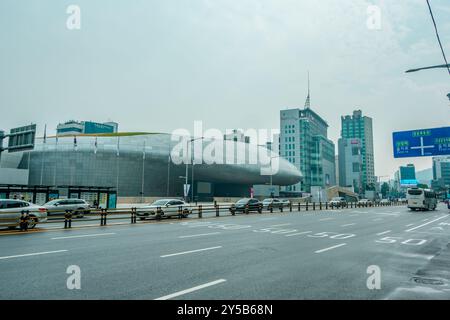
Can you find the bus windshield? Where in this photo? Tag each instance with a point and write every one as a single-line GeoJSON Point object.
{"type": "Point", "coordinates": [415, 192]}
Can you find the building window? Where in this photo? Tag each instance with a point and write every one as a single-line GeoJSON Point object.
{"type": "Point", "coordinates": [355, 167]}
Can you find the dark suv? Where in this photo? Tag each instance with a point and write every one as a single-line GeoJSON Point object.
{"type": "Point", "coordinates": [243, 204]}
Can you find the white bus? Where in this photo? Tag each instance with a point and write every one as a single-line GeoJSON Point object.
{"type": "Point", "coordinates": [421, 199]}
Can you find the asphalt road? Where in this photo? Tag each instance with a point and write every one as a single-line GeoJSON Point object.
{"type": "Point", "coordinates": [290, 255]}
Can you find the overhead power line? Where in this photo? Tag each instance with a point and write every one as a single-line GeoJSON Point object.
{"type": "Point", "coordinates": [438, 38]}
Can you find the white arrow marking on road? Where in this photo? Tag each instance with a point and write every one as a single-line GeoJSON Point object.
{"type": "Point", "coordinates": [32, 254]}
{"type": "Point", "coordinates": [409, 230]}
{"type": "Point", "coordinates": [199, 235]}
{"type": "Point", "coordinates": [384, 232]}
{"type": "Point", "coordinates": [330, 248]}
{"type": "Point", "coordinates": [84, 236]}
{"type": "Point", "coordinates": [190, 251]}
{"type": "Point", "coordinates": [179, 293]}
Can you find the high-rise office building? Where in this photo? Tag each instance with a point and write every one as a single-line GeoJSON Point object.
{"type": "Point", "coordinates": [350, 163]}
{"type": "Point", "coordinates": [360, 127]}
{"type": "Point", "coordinates": [441, 171]}
{"type": "Point", "coordinates": [304, 143]}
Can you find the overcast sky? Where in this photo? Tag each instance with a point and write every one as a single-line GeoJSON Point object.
{"type": "Point", "coordinates": [159, 65]}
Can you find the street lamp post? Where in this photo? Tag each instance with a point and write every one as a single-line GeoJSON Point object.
{"type": "Point", "coordinates": [187, 163]}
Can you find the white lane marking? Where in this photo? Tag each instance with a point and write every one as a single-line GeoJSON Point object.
{"type": "Point", "coordinates": [354, 215]}
{"type": "Point", "coordinates": [384, 232]}
{"type": "Point", "coordinates": [32, 254]}
{"type": "Point", "coordinates": [299, 233]}
{"type": "Point", "coordinates": [84, 236]}
{"type": "Point", "coordinates": [424, 220]}
{"type": "Point", "coordinates": [377, 219]}
{"type": "Point", "coordinates": [280, 225]}
{"type": "Point", "coordinates": [201, 224]}
{"type": "Point", "coordinates": [409, 230]}
{"type": "Point", "coordinates": [199, 235]}
{"type": "Point", "coordinates": [179, 293]}
{"type": "Point", "coordinates": [190, 251]}
{"type": "Point", "coordinates": [325, 219]}
{"type": "Point", "coordinates": [388, 214]}
{"type": "Point", "coordinates": [360, 211]}
{"type": "Point", "coordinates": [330, 248]}
{"type": "Point", "coordinates": [349, 224]}
{"type": "Point", "coordinates": [409, 225]}
{"type": "Point", "coordinates": [267, 219]}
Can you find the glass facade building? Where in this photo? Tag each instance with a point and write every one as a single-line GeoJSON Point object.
{"type": "Point", "coordinates": [304, 143]}
{"type": "Point", "coordinates": [140, 164]}
{"type": "Point", "coordinates": [360, 127]}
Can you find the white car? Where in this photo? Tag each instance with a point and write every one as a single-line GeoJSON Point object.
{"type": "Point", "coordinates": [275, 203]}
{"type": "Point", "coordinates": [11, 211]}
{"type": "Point", "coordinates": [365, 202]}
{"type": "Point", "coordinates": [79, 207]}
{"type": "Point", "coordinates": [164, 208]}
{"type": "Point", "coordinates": [285, 202]}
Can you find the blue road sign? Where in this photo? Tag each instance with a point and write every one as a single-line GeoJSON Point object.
{"type": "Point", "coordinates": [421, 143]}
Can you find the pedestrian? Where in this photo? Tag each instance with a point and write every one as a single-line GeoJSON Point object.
{"type": "Point", "coordinates": [24, 221]}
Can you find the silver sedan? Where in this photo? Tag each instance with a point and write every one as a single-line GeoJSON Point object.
{"type": "Point", "coordinates": [11, 211]}
{"type": "Point", "coordinates": [164, 208]}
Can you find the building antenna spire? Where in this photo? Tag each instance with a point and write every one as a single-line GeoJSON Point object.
{"type": "Point", "coordinates": [308, 98]}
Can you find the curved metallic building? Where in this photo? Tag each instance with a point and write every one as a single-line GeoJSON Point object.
{"type": "Point", "coordinates": [143, 164]}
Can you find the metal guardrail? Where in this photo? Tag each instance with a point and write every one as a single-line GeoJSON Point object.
{"type": "Point", "coordinates": [104, 215]}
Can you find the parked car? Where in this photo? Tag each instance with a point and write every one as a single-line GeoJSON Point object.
{"type": "Point", "coordinates": [384, 201]}
{"type": "Point", "coordinates": [11, 210]}
{"type": "Point", "coordinates": [79, 207]}
{"type": "Point", "coordinates": [285, 202]}
{"type": "Point", "coordinates": [365, 202]}
{"type": "Point", "coordinates": [338, 202]}
{"type": "Point", "coordinates": [164, 208]}
{"type": "Point", "coordinates": [251, 204]}
{"type": "Point", "coordinates": [276, 203]}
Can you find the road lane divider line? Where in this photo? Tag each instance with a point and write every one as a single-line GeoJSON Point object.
{"type": "Point", "coordinates": [280, 225]}
{"type": "Point", "coordinates": [384, 232]}
{"type": "Point", "coordinates": [348, 224]}
{"type": "Point", "coordinates": [330, 248]}
{"type": "Point", "coordinates": [190, 251]}
{"type": "Point", "coordinates": [32, 254]}
{"type": "Point", "coordinates": [409, 225]}
{"type": "Point", "coordinates": [325, 219]}
{"type": "Point", "coordinates": [427, 223]}
{"type": "Point", "coordinates": [199, 235]}
{"type": "Point", "coordinates": [180, 293]}
{"type": "Point", "coordinates": [298, 233]}
{"type": "Point", "coordinates": [84, 236]}
{"type": "Point", "coordinates": [387, 214]}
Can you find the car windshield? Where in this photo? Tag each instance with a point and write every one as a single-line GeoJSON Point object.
{"type": "Point", "coordinates": [267, 200]}
{"type": "Point", "coordinates": [336, 199]}
{"type": "Point", "coordinates": [52, 202]}
{"type": "Point", "coordinates": [242, 201]}
{"type": "Point", "coordinates": [160, 203]}
{"type": "Point", "coordinates": [416, 192]}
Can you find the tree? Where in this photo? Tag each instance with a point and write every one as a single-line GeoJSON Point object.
{"type": "Point", "coordinates": [385, 189]}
